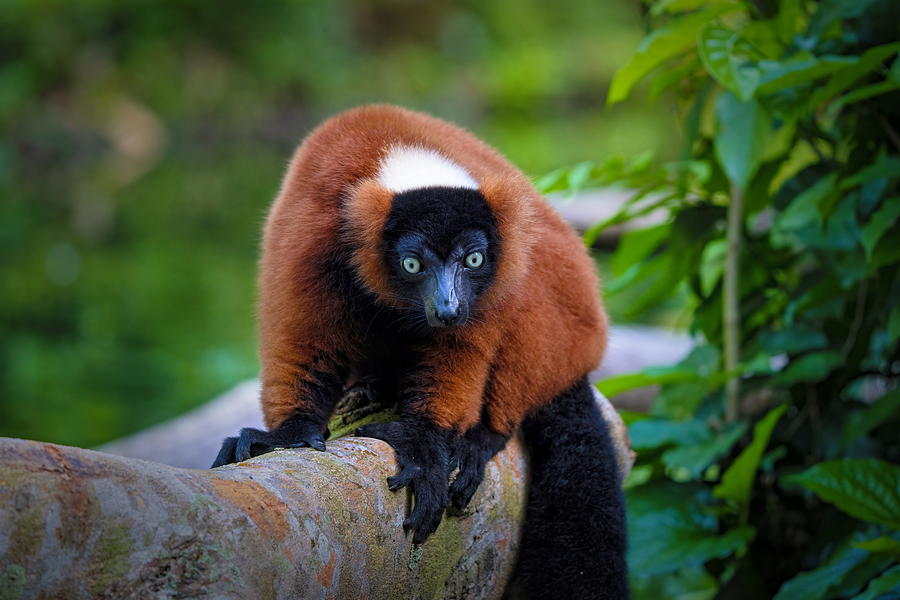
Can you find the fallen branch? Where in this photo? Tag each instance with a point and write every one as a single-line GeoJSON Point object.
{"type": "Point", "coordinates": [298, 523]}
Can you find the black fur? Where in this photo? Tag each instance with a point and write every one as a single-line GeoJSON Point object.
{"type": "Point", "coordinates": [440, 226]}
{"type": "Point", "coordinates": [574, 535]}
{"type": "Point", "coordinates": [471, 454]}
{"type": "Point", "coordinates": [423, 460]}
{"type": "Point", "coordinates": [296, 432]}
{"type": "Point", "coordinates": [440, 214]}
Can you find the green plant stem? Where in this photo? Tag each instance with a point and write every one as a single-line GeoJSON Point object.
{"type": "Point", "coordinates": [731, 309]}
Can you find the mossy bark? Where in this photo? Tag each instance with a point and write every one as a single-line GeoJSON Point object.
{"type": "Point", "coordinates": [297, 523]}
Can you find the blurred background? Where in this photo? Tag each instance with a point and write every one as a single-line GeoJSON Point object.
{"type": "Point", "coordinates": [143, 141]}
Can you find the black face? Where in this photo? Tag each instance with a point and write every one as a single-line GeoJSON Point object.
{"type": "Point", "coordinates": [441, 248]}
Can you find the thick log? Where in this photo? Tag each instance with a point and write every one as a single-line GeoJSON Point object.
{"type": "Point", "coordinates": [295, 523]}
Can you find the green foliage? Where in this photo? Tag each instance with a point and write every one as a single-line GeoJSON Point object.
{"type": "Point", "coordinates": [791, 108]}
{"type": "Point", "coordinates": [817, 583]}
{"type": "Point", "coordinates": [737, 481]}
{"type": "Point", "coordinates": [886, 585]}
{"type": "Point", "coordinates": [867, 489]}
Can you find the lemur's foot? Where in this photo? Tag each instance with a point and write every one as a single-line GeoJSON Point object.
{"type": "Point", "coordinates": [296, 432]}
{"type": "Point", "coordinates": [360, 400]}
{"type": "Point", "coordinates": [473, 451]}
{"type": "Point", "coordinates": [423, 458]}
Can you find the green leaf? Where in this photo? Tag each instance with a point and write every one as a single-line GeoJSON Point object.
{"type": "Point", "coordinates": [846, 77]}
{"type": "Point", "coordinates": [870, 418]}
{"type": "Point", "coordinates": [894, 74]}
{"type": "Point", "coordinates": [810, 368]}
{"type": "Point", "coordinates": [650, 281]}
{"type": "Point", "coordinates": [880, 222]}
{"type": "Point", "coordinates": [737, 481]}
{"type": "Point", "coordinates": [670, 527]}
{"type": "Point", "coordinates": [692, 583]}
{"type": "Point", "coordinates": [814, 585]}
{"type": "Point", "coordinates": [696, 457]}
{"type": "Point", "coordinates": [671, 77]}
{"type": "Point", "coordinates": [887, 251]}
{"type": "Point", "coordinates": [635, 246]}
{"type": "Point", "coordinates": [790, 13]}
{"type": "Point", "coordinates": [679, 401]}
{"type": "Point", "coordinates": [885, 166]}
{"type": "Point", "coordinates": [740, 143]}
{"type": "Point", "coordinates": [637, 476]}
{"type": "Point", "coordinates": [652, 433]}
{"type": "Point", "coordinates": [677, 6]}
{"type": "Point", "coordinates": [894, 324]}
{"type": "Point", "coordinates": [865, 488]}
{"type": "Point", "coordinates": [629, 211]}
{"type": "Point", "coordinates": [886, 583]}
{"type": "Point", "coordinates": [552, 181]}
{"type": "Point", "coordinates": [726, 56]}
{"type": "Point", "coordinates": [854, 581]}
{"type": "Point", "coordinates": [830, 11]}
{"type": "Point", "coordinates": [662, 44]}
{"type": "Point", "coordinates": [705, 360]}
{"type": "Point", "coordinates": [652, 376]}
{"type": "Point", "coordinates": [860, 94]}
{"type": "Point", "coordinates": [579, 176]}
{"type": "Point", "coordinates": [792, 340]}
{"type": "Point", "coordinates": [883, 544]}
{"type": "Point", "coordinates": [673, 543]}
{"type": "Point", "coordinates": [805, 208]}
{"type": "Point", "coordinates": [778, 75]}
{"type": "Point", "coordinates": [630, 416]}
{"type": "Point", "coordinates": [712, 265]}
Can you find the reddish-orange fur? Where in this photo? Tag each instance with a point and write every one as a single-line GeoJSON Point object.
{"type": "Point", "coordinates": [541, 325]}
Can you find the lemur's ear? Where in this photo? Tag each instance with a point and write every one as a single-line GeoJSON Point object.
{"type": "Point", "coordinates": [365, 213]}
{"type": "Point", "coordinates": [509, 200]}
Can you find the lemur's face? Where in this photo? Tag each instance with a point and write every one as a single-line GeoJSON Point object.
{"type": "Point", "coordinates": [441, 249]}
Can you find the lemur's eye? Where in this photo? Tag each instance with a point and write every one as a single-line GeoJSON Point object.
{"type": "Point", "coordinates": [474, 260]}
{"type": "Point", "coordinates": [412, 264]}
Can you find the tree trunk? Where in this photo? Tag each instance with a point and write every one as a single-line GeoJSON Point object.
{"type": "Point", "coordinates": [296, 523]}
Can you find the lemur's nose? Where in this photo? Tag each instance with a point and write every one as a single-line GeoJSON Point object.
{"type": "Point", "coordinates": [447, 313]}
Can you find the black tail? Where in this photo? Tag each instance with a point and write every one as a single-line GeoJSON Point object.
{"type": "Point", "coordinates": [574, 537]}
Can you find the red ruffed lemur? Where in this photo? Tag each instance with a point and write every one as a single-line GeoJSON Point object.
{"type": "Point", "coordinates": [403, 250]}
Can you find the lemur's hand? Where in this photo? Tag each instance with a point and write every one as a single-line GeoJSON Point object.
{"type": "Point", "coordinates": [296, 432]}
{"type": "Point", "coordinates": [472, 452]}
{"type": "Point", "coordinates": [423, 459]}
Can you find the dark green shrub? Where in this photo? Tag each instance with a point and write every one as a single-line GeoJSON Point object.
{"type": "Point", "coordinates": [768, 466]}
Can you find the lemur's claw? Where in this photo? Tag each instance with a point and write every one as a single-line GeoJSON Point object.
{"type": "Point", "coordinates": [317, 442]}
{"type": "Point", "coordinates": [296, 432]}
{"type": "Point", "coordinates": [226, 452]}
{"type": "Point", "coordinates": [473, 451]}
{"type": "Point", "coordinates": [422, 458]}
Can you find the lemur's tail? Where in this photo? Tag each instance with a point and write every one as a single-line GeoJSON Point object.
{"type": "Point", "coordinates": [574, 537]}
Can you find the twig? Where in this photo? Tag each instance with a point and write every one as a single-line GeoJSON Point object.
{"type": "Point", "coordinates": [731, 309]}
{"type": "Point", "coordinates": [857, 318]}
{"type": "Point", "coordinates": [891, 132]}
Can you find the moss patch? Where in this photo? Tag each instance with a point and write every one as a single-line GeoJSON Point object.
{"type": "Point", "coordinates": [12, 582]}
{"type": "Point", "coordinates": [439, 557]}
{"type": "Point", "coordinates": [415, 555]}
{"type": "Point", "coordinates": [28, 532]}
{"type": "Point", "coordinates": [111, 558]}
{"type": "Point", "coordinates": [338, 428]}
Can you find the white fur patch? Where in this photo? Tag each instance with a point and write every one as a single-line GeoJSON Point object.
{"type": "Point", "coordinates": [407, 168]}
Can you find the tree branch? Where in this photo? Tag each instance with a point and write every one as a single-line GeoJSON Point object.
{"type": "Point", "coordinates": [296, 523]}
